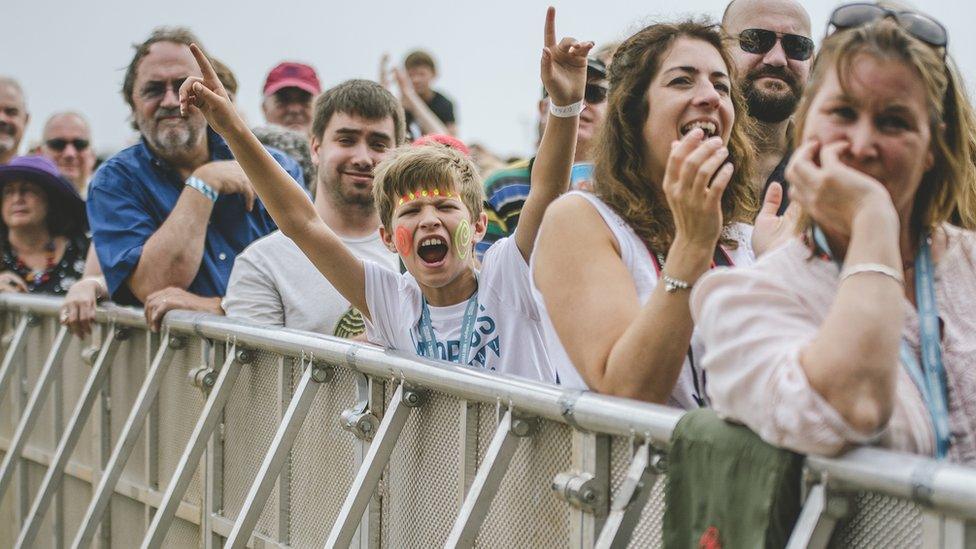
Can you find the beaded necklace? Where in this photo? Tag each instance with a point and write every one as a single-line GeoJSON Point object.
{"type": "Point", "coordinates": [35, 277]}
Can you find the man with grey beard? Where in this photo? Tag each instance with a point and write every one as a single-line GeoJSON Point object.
{"type": "Point", "coordinates": [13, 117]}
{"type": "Point", "coordinates": [773, 61]}
{"type": "Point", "coordinates": [170, 214]}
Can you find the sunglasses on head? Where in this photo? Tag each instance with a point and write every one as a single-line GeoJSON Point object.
{"type": "Point", "coordinates": [919, 25]}
{"type": "Point", "coordinates": [58, 144]}
{"type": "Point", "coordinates": [760, 41]}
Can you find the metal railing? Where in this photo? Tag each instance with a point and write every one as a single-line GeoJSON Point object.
{"type": "Point", "coordinates": [219, 433]}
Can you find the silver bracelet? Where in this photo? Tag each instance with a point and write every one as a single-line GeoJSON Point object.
{"type": "Point", "coordinates": [568, 111]}
{"type": "Point", "coordinates": [672, 285]}
{"type": "Point", "coordinates": [858, 268]}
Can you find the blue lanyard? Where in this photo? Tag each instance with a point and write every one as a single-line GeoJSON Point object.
{"type": "Point", "coordinates": [929, 377]}
{"type": "Point", "coordinates": [428, 339]}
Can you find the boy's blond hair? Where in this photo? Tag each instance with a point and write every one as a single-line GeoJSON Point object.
{"type": "Point", "coordinates": [426, 167]}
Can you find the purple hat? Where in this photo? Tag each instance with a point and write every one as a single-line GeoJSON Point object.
{"type": "Point", "coordinates": [64, 200]}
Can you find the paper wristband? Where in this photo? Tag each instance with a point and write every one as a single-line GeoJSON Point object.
{"type": "Point", "coordinates": [568, 111]}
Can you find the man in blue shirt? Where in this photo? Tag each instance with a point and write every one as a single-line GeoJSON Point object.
{"type": "Point", "coordinates": [170, 214]}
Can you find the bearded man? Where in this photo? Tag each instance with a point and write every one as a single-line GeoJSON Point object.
{"type": "Point", "coordinates": [773, 61]}
{"type": "Point", "coordinates": [170, 214]}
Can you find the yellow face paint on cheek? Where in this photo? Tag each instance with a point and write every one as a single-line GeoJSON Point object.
{"type": "Point", "coordinates": [462, 239]}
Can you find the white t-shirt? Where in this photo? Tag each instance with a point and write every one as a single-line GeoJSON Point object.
{"type": "Point", "coordinates": [275, 284]}
{"type": "Point", "coordinates": [634, 254]}
{"type": "Point", "coordinates": [507, 334]}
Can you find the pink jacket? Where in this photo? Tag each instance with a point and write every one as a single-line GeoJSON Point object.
{"type": "Point", "coordinates": [755, 320]}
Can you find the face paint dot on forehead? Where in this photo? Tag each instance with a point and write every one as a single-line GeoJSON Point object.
{"type": "Point", "coordinates": [462, 239]}
{"type": "Point", "coordinates": [424, 193]}
{"type": "Point", "coordinates": [404, 241]}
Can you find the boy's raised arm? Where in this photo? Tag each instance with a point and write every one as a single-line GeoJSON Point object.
{"type": "Point", "coordinates": [285, 201]}
{"type": "Point", "coordinates": [564, 76]}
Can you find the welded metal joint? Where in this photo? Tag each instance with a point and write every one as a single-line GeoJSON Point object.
{"type": "Point", "coordinates": [322, 372]}
{"type": "Point", "coordinates": [581, 490]}
{"type": "Point", "coordinates": [525, 426]}
{"type": "Point", "coordinates": [658, 463]}
{"type": "Point", "coordinates": [414, 398]}
{"type": "Point", "coordinates": [362, 423]}
{"type": "Point", "coordinates": [245, 356]}
{"type": "Point", "coordinates": [203, 377]}
{"type": "Point", "coordinates": [122, 333]}
{"type": "Point", "coordinates": [176, 343]}
{"type": "Point", "coordinates": [90, 353]}
{"type": "Point", "coordinates": [33, 320]}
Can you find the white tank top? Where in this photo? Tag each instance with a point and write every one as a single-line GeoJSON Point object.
{"type": "Point", "coordinates": [636, 257]}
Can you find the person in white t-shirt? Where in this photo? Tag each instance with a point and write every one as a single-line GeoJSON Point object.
{"type": "Point", "coordinates": [430, 204]}
{"type": "Point", "coordinates": [355, 125]}
{"type": "Point", "coordinates": [613, 268]}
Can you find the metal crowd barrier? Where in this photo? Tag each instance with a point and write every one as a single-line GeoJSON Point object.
{"type": "Point", "coordinates": [219, 433]}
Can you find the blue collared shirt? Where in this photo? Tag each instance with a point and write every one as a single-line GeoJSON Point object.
{"type": "Point", "coordinates": [133, 193]}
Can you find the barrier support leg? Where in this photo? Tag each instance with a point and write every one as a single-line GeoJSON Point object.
{"type": "Point", "coordinates": [629, 501]}
{"type": "Point", "coordinates": [372, 468]}
{"type": "Point", "coordinates": [817, 519]}
{"type": "Point", "coordinates": [188, 462]}
{"type": "Point", "coordinates": [291, 424]}
{"type": "Point", "coordinates": [35, 403]}
{"type": "Point", "coordinates": [475, 507]}
{"type": "Point", "coordinates": [76, 423]}
{"type": "Point", "coordinates": [127, 441]}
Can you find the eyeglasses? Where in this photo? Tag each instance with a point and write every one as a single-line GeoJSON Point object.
{"type": "Point", "coordinates": [157, 88]}
{"type": "Point", "coordinates": [760, 41]}
{"type": "Point", "coordinates": [595, 94]}
{"type": "Point", "coordinates": [919, 25]}
{"type": "Point", "coordinates": [58, 144]}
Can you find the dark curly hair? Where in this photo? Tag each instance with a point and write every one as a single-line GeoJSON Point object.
{"type": "Point", "coordinates": [621, 171]}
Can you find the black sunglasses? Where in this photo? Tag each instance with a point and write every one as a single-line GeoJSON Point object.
{"type": "Point", "coordinates": [919, 25]}
{"type": "Point", "coordinates": [58, 144]}
{"type": "Point", "coordinates": [760, 41]}
{"type": "Point", "coordinates": [595, 94]}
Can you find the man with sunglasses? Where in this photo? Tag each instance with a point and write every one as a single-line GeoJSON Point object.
{"type": "Point", "coordinates": [773, 57]}
{"type": "Point", "coordinates": [67, 142]}
{"type": "Point", "coordinates": [506, 189]}
{"type": "Point", "coordinates": [169, 214]}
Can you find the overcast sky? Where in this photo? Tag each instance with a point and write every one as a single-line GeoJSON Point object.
{"type": "Point", "coordinates": [72, 55]}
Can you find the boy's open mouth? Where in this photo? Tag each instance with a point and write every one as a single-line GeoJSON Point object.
{"type": "Point", "coordinates": [432, 249]}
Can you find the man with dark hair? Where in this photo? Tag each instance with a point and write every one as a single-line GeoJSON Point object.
{"type": "Point", "coordinates": [66, 140]}
{"type": "Point", "coordinates": [422, 71]}
{"type": "Point", "coordinates": [773, 61]}
{"type": "Point", "coordinates": [288, 94]}
{"type": "Point", "coordinates": [13, 117]}
{"type": "Point", "coordinates": [355, 125]}
{"type": "Point", "coordinates": [507, 189]}
{"type": "Point", "coordinates": [170, 214]}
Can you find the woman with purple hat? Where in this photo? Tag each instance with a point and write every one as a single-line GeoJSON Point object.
{"type": "Point", "coordinates": [43, 240]}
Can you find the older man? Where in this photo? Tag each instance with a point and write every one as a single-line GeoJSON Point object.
{"type": "Point", "coordinates": [773, 59]}
{"type": "Point", "coordinates": [67, 142]}
{"type": "Point", "coordinates": [170, 214]}
{"type": "Point", "coordinates": [288, 93]}
{"type": "Point", "coordinates": [13, 117]}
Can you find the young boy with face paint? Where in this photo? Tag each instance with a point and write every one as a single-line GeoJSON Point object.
{"type": "Point", "coordinates": [430, 204]}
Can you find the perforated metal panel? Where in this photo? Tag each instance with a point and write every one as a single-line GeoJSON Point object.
{"type": "Point", "coordinates": [250, 421]}
{"type": "Point", "coordinates": [423, 480]}
{"type": "Point", "coordinates": [324, 462]}
{"type": "Point", "coordinates": [880, 521]}
{"type": "Point", "coordinates": [180, 405]}
{"type": "Point", "coordinates": [526, 512]}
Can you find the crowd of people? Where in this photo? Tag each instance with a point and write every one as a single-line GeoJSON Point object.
{"type": "Point", "coordinates": [717, 215]}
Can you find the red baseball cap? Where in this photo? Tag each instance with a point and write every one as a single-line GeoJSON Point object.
{"type": "Point", "coordinates": [292, 75]}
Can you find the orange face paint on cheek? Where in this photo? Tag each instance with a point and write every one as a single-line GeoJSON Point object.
{"type": "Point", "coordinates": [404, 241]}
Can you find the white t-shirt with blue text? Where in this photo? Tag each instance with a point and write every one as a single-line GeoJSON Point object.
{"type": "Point", "coordinates": [507, 336]}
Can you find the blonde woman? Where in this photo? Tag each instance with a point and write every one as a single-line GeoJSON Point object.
{"type": "Point", "coordinates": [863, 329]}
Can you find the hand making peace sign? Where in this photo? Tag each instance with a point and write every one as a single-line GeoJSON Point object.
{"type": "Point", "coordinates": [563, 65]}
{"type": "Point", "coordinates": [208, 95]}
